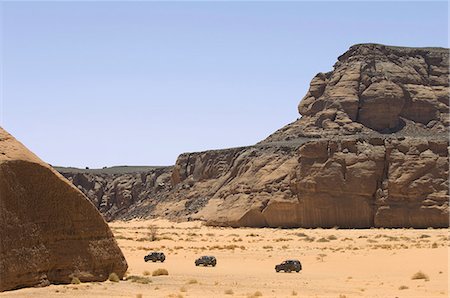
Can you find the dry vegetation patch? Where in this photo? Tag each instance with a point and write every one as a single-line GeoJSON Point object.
{"type": "Point", "coordinates": [192, 281]}
{"type": "Point", "coordinates": [139, 279]}
{"type": "Point", "coordinates": [420, 275]}
{"type": "Point", "coordinates": [113, 277]}
{"type": "Point", "coordinates": [160, 271]}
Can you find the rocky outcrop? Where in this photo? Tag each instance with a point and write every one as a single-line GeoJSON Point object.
{"type": "Point", "coordinates": [348, 182]}
{"type": "Point", "coordinates": [116, 191]}
{"type": "Point", "coordinates": [377, 88]}
{"type": "Point", "coordinates": [370, 150]}
{"type": "Point", "coordinates": [49, 231]}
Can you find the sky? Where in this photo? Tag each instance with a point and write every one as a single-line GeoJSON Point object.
{"type": "Point", "coordinates": [138, 83]}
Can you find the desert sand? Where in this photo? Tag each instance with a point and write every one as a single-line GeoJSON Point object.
{"type": "Point", "coordinates": [336, 263]}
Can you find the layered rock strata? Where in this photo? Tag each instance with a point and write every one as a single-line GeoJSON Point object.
{"type": "Point", "coordinates": [116, 191]}
{"type": "Point", "coordinates": [347, 182]}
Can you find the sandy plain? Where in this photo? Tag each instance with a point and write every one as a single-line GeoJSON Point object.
{"type": "Point", "coordinates": [336, 263]}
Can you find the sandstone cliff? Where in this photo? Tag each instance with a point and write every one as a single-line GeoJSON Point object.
{"type": "Point", "coordinates": [117, 191]}
{"type": "Point", "coordinates": [49, 231]}
{"type": "Point", "coordinates": [370, 150]}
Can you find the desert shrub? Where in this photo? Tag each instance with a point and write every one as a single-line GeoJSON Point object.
{"type": "Point", "coordinates": [230, 246]}
{"type": "Point", "coordinates": [332, 237]}
{"type": "Point", "coordinates": [138, 295]}
{"type": "Point", "coordinates": [294, 293]}
{"type": "Point", "coordinates": [160, 271]}
{"type": "Point", "coordinates": [309, 239]}
{"type": "Point", "coordinates": [165, 238]}
{"type": "Point", "coordinates": [192, 281]}
{"type": "Point", "coordinates": [113, 277]}
{"type": "Point", "coordinates": [139, 279]}
{"type": "Point", "coordinates": [403, 288]}
{"type": "Point", "coordinates": [229, 292]}
{"type": "Point", "coordinates": [257, 294]}
{"type": "Point", "coordinates": [183, 289]}
{"type": "Point", "coordinates": [75, 281]}
{"type": "Point", "coordinates": [391, 238]}
{"type": "Point", "coordinates": [146, 272]}
{"type": "Point", "coordinates": [434, 245]}
{"type": "Point", "coordinates": [322, 240]}
{"type": "Point", "coordinates": [420, 275]}
{"type": "Point", "coordinates": [282, 239]}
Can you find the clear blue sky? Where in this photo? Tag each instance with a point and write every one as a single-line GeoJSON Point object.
{"type": "Point", "coordinates": [111, 83]}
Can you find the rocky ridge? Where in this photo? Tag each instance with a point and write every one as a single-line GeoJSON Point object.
{"type": "Point", "coordinates": [370, 150]}
{"type": "Point", "coordinates": [114, 191]}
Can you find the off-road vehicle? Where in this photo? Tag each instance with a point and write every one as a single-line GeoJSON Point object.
{"type": "Point", "coordinates": [288, 266]}
{"type": "Point", "coordinates": [155, 256]}
{"type": "Point", "coordinates": [206, 261]}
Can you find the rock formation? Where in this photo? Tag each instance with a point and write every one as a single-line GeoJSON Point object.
{"type": "Point", "coordinates": [370, 150]}
{"type": "Point", "coordinates": [116, 191]}
{"type": "Point", "coordinates": [49, 231]}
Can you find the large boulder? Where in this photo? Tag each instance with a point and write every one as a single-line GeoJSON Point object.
{"type": "Point", "coordinates": [49, 231]}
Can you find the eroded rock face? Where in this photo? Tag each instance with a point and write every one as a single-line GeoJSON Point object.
{"type": "Point", "coordinates": [49, 231]}
{"type": "Point", "coordinates": [370, 150]}
{"type": "Point", "coordinates": [117, 193]}
{"type": "Point", "coordinates": [349, 183]}
{"type": "Point", "coordinates": [377, 86]}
